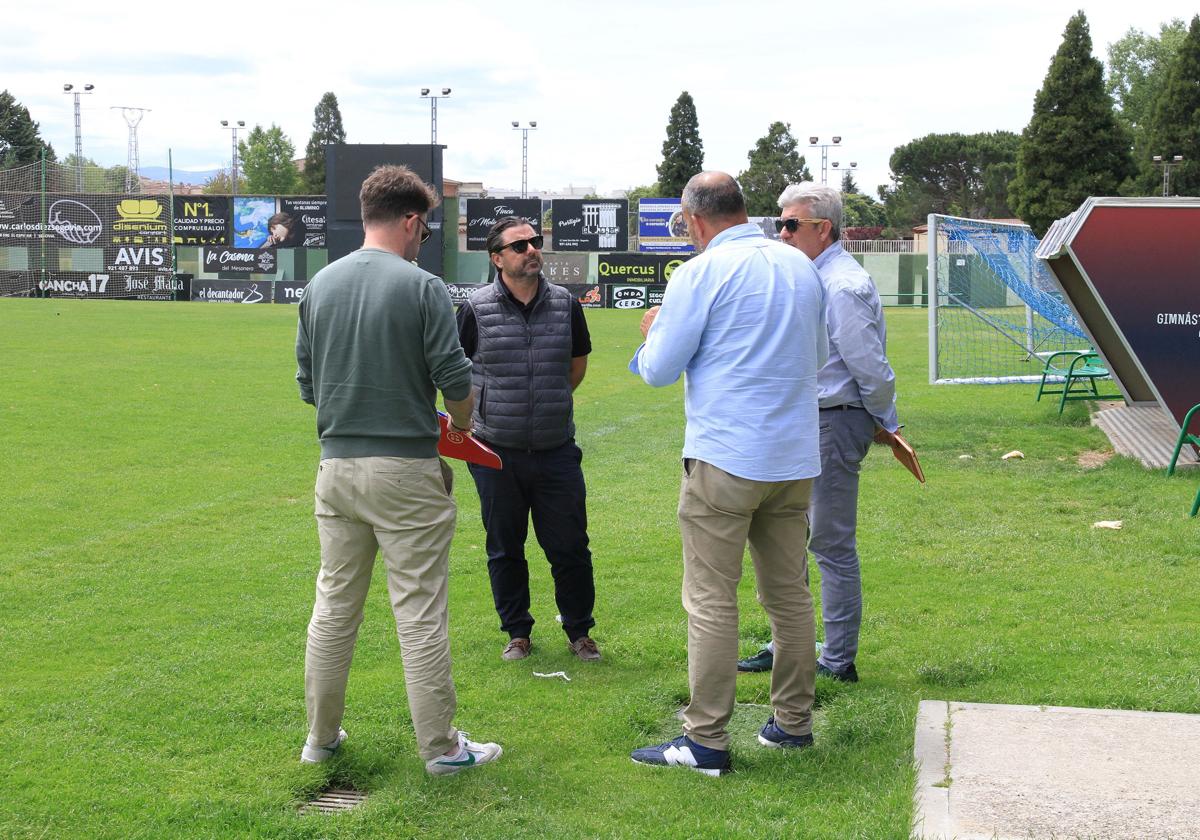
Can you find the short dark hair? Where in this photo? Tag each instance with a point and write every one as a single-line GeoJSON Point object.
{"type": "Point", "coordinates": [497, 232]}
{"type": "Point", "coordinates": [392, 192]}
{"type": "Point", "coordinates": [713, 195]}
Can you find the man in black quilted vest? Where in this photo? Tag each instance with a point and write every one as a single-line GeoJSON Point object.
{"type": "Point", "coordinates": [528, 342]}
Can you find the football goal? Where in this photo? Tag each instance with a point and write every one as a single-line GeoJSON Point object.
{"type": "Point", "coordinates": [996, 311]}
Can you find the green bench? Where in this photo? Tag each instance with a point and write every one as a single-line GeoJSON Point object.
{"type": "Point", "coordinates": [1186, 437]}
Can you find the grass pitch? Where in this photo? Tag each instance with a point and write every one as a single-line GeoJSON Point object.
{"type": "Point", "coordinates": [157, 559]}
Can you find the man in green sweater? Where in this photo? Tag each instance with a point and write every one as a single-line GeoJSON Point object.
{"type": "Point", "coordinates": [376, 341]}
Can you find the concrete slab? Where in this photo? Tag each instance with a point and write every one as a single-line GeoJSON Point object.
{"type": "Point", "coordinates": [993, 772]}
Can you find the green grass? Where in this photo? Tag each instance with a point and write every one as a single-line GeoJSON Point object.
{"type": "Point", "coordinates": [157, 559]}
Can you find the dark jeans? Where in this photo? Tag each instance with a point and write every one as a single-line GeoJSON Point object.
{"type": "Point", "coordinates": [549, 485]}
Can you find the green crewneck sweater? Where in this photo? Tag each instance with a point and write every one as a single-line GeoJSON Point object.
{"type": "Point", "coordinates": [376, 337]}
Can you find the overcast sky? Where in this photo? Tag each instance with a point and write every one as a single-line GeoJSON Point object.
{"type": "Point", "coordinates": [598, 77]}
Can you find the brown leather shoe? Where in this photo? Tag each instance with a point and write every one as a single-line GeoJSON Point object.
{"type": "Point", "coordinates": [585, 649]}
{"type": "Point", "coordinates": [516, 649]}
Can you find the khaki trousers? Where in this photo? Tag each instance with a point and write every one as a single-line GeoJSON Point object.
{"type": "Point", "coordinates": [402, 507]}
{"type": "Point", "coordinates": [718, 514]}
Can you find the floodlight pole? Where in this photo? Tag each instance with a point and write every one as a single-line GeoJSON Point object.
{"type": "Point", "coordinates": [1167, 166]}
{"type": "Point", "coordinates": [233, 158]}
{"type": "Point", "coordinates": [433, 98]}
{"type": "Point", "coordinates": [524, 153]}
{"type": "Point", "coordinates": [70, 89]}
{"type": "Point", "coordinates": [815, 143]}
{"type": "Point", "coordinates": [852, 167]}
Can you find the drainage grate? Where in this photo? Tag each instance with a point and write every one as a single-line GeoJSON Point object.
{"type": "Point", "coordinates": [334, 801]}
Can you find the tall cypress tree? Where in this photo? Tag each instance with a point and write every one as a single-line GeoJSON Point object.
{"type": "Point", "coordinates": [327, 128]}
{"type": "Point", "coordinates": [683, 150]}
{"type": "Point", "coordinates": [774, 163]}
{"type": "Point", "coordinates": [1174, 126]}
{"type": "Point", "coordinates": [1073, 146]}
{"type": "Point", "coordinates": [20, 142]}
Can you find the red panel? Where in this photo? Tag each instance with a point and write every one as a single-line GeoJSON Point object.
{"type": "Point", "coordinates": [1144, 263]}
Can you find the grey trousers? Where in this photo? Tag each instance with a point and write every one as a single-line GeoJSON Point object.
{"type": "Point", "coordinates": [833, 514]}
{"type": "Point", "coordinates": [833, 523]}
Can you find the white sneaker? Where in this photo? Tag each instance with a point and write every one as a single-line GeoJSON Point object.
{"type": "Point", "coordinates": [470, 754]}
{"type": "Point", "coordinates": [315, 755]}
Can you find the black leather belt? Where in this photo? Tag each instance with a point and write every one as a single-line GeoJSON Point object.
{"type": "Point", "coordinates": [844, 408]}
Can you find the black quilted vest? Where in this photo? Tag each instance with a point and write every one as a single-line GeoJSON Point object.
{"type": "Point", "coordinates": [522, 368]}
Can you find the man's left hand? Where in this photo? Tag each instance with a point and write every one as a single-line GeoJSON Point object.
{"type": "Point", "coordinates": [648, 319]}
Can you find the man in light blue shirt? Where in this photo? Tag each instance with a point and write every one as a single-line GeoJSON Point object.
{"type": "Point", "coordinates": [858, 404]}
{"type": "Point", "coordinates": [745, 323]}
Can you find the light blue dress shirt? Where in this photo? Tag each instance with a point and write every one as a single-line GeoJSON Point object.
{"type": "Point", "coordinates": [745, 321]}
{"type": "Point", "coordinates": [858, 371]}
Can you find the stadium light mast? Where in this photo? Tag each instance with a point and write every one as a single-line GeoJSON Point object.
{"type": "Point", "coordinates": [233, 159]}
{"type": "Point", "coordinates": [433, 99]}
{"type": "Point", "coordinates": [70, 89]}
{"type": "Point", "coordinates": [524, 153]}
{"type": "Point", "coordinates": [814, 142]}
{"type": "Point", "coordinates": [853, 165]}
{"type": "Point", "coordinates": [132, 116]}
{"type": "Point", "coordinates": [1167, 166]}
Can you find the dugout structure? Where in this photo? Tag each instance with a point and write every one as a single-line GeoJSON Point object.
{"type": "Point", "coordinates": [995, 310]}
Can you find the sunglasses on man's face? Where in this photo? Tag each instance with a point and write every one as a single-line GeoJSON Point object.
{"type": "Point", "coordinates": [793, 225]}
{"type": "Point", "coordinates": [520, 246]}
{"type": "Point", "coordinates": [425, 232]}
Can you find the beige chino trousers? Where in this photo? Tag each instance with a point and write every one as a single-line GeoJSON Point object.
{"type": "Point", "coordinates": [404, 508]}
{"type": "Point", "coordinates": [718, 514]}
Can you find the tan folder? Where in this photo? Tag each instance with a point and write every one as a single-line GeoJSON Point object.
{"type": "Point", "coordinates": [907, 456]}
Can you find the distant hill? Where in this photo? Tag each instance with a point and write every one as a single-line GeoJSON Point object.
{"type": "Point", "coordinates": [182, 176]}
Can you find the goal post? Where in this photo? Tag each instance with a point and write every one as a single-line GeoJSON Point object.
{"type": "Point", "coordinates": [995, 310]}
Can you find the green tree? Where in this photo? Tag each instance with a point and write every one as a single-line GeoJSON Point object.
{"type": "Point", "coordinates": [683, 150]}
{"type": "Point", "coordinates": [848, 184]}
{"type": "Point", "coordinates": [956, 174]}
{"type": "Point", "coordinates": [20, 142]}
{"type": "Point", "coordinates": [1073, 146]}
{"type": "Point", "coordinates": [774, 163]}
{"type": "Point", "coordinates": [222, 184]}
{"type": "Point", "coordinates": [267, 160]}
{"type": "Point", "coordinates": [96, 178]}
{"type": "Point", "coordinates": [859, 210]}
{"type": "Point", "coordinates": [1174, 124]}
{"type": "Point", "coordinates": [327, 128]}
{"type": "Point", "coordinates": [1137, 69]}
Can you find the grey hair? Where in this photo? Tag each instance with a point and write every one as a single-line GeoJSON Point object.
{"type": "Point", "coordinates": [823, 202]}
{"type": "Point", "coordinates": [713, 195]}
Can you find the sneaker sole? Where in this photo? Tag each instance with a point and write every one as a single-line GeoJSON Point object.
{"type": "Point", "coordinates": [702, 770]}
{"type": "Point", "coordinates": [777, 745]}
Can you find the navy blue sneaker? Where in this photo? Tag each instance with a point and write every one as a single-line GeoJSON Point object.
{"type": "Point", "coordinates": [764, 660]}
{"type": "Point", "coordinates": [684, 752]}
{"type": "Point", "coordinates": [772, 736]}
{"type": "Point", "coordinates": [849, 675]}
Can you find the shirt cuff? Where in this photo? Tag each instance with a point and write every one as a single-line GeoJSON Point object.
{"type": "Point", "coordinates": [634, 367]}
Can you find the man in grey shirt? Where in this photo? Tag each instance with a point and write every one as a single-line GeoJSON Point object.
{"type": "Point", "coordinates": [857, 404]}
{"type": "Point", "coordinates": [375, 342]}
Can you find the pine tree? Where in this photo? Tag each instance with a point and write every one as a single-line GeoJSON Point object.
{"type": "Point", "coordinates": [683, 150]}
{"type": "Point", "coordinates": [20, 142]}
{"type": "Point", "coordinates": [774, 163]}
{"type": "Point", "coordinates": [848, 185]}
{"type": "Point", "coordinates": [1174, 125]}
{"type": "Point", "coordinates": [267, 162]}
{"type": "Point", "coordinates": [1073, 146]}
{"type": "Point", "coordinates": [327, 128]}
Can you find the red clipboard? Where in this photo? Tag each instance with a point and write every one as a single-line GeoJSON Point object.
{"type": "Point", "coordinates": [464, 447]}
{"type": "Point", "coordinates": [907, 456]}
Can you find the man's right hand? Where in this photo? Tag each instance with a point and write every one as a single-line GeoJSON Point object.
{"type": "Point", "coordinates": [648, 319]}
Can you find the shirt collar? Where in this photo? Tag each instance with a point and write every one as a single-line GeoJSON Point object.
{"type": "Point", "coordinates": [834, 249]}
{"type": "Point", "coordinates": [749, 230]}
